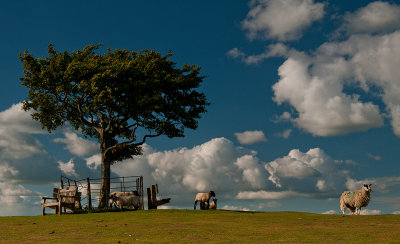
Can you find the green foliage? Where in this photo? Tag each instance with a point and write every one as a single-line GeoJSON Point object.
{"type": "Point", "coordinates": [109, 96]}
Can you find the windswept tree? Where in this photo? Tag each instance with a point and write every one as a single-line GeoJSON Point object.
{"type": "Point", "coordinates": [121, 98]}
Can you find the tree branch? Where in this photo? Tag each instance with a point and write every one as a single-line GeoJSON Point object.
{"type": "Point", "coordinates": [144, 139]}
{"type": "Point", "coordinates": [84, 121]}
{"type": "Point", "coordinates": [130, 141]}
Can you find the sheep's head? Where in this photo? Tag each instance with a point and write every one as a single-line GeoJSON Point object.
{"type": "Point", "coordinates": [112, 197]}
{"type": "Point", "coordinates": [367, 187]}
{"type": "Point", "coordinates": [212, 194]}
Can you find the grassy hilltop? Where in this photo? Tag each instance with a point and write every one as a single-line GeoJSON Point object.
{"type": "Point", "coordinates": [188, 226]}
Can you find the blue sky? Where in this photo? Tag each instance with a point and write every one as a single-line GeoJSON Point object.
{"type": "Point", "coordinates": [304, 101]}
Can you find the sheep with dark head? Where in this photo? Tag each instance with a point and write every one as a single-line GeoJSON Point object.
{"type": "Point", "coordinates": [203, 198]}
{"type": "Point", "coordinates": [355, 200]}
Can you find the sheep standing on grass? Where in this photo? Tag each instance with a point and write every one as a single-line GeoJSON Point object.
{"type": "Point", "coordinates": [128, 199]}
{"type": "Point", "coordinates": [203, 198]}
{"type": "Point", "coordinates": [355, 200]}
{"type": "Point", "coordinates": [213, 204]}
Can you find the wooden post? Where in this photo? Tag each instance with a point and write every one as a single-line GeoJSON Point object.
{"type": "Point", "coordinates": [89, 196]}
{"type": "Point", "coordinates": [156, 188]}
{"type": "Point", "coordinates": [154, 196]}
{"type": "Point", "coordinates": [141, 190]}
{"type": "Point", "coordinates": [149, 202]}
{"type": "Point", "coordinates": [123, 182]}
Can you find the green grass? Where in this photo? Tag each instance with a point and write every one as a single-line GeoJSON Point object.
{"type": "Point", "coordinates": [188, 226]}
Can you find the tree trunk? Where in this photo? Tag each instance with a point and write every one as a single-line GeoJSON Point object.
{"type": "Point", "coordinates": [105, 182]}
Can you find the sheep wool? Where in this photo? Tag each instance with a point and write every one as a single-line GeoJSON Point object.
{"type": "Point", "coordinates": [127, 200]}
{"type": "Point", "coordinates": [355, 200]}
{"type": "Point", "coordinates": [204, 199]}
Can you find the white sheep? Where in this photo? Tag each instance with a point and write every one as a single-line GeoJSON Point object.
{"type": "Point", "coordinates": [125, 199]}
{"type": "Point", "coordinates": [354, 200]}
{"type": "Point", "coordinates": [213, 204]}
{"type": "Point", "coordinates": [203, 198]}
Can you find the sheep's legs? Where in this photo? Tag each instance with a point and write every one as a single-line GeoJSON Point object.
{"type": "Point", "coordinates": [195, 203]}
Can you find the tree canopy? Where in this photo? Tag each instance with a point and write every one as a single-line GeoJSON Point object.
{"type": "Point", "coordinates": [121, 98]}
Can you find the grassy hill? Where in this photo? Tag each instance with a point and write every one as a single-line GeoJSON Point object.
{"type": "Point", "coordinates": [188, 226]}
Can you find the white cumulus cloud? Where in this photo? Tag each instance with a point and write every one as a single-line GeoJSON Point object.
{"type": "Point", "coordinates": [323, 108]}
{"type": "Point", "coordinates": [23, 158]}
{"type": "Point", "coordinates": [236, 173]}
{"type": "Point", "coordinates": [253, 171]}
{"type": "Point", "coordinates": [78, 145]}
{"type": "Point", "coordinates": [16, 199]}
{"type": "Point", "coordinates": [312, 174]}
{"type": "Point", "coordinates": [376, 17]}
{"type": "Point", "coordinates": [235, 208]}
{"type": "Point", "coordinates": [209, 166]}
{"type": "Point", "coordinates": [270, 195]}
{"type": "Point", "coordinates": [94, 161]}
{"type": "Point", "coordinates": [283, 20]}
{"type": "Point", "coordinates": [379, 184]}
{"type": "Point", "coordinates": [68, 168]}
{"type": "Point", "coordinates": [316, 84]}
{"type": "Point", "coordinates": [370, 212]}
{"type": "Point", "coordinates": [16, 119]}
{"type": "Point", "coordinates": [272, 50]}
{"type": "Point", "coordinates": [250, 137]}
{"type": "Point", "coordinates": [16, 129]}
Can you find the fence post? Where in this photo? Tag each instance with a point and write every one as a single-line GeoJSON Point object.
{"type": "Point", "coordinates": [141, 190]}
{"type": "Point", "coordinates": [149, 202]}
{"type": "Point", "coordinates": [154, 196]}
{"type": "Point", "coordinates": [89, 195]}
{"type": "Point", "coordinates": [123, 182]}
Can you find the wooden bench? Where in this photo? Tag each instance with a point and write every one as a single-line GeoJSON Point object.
{"type": "Point", "coordinates": [67, 198]}
{"type": "Point", "coordinates": [52, 205]}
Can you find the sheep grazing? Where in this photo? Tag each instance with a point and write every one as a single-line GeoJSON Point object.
{"type": "Point", "coordinates": [204, 199]}
{"type": "Point", "coordinates": [128, 199]}
{"type": "Point", "coordinates": [121, 193]}
{"type": "Point", "coordinates": [355, 200]}
{"type": "Point", "coordinates": [213, 204]}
